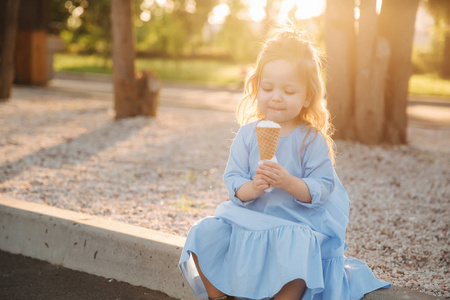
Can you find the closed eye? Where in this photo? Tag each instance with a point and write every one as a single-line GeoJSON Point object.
{"type": "Point", "coordinates": [290, 92]}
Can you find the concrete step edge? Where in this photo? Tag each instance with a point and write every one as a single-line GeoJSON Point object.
{"type": "Point", "coordinates": [111, 249]}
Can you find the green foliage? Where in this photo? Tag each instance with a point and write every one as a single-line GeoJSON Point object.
{"type": "Point", "coordinates": [240, 42]}
{"type": "Point", "coordinates": [171, 28]}
{"type": "Point", "coordinates": [432, 60]}
{"type": "Point", "coordinates": [439, 9]}
{"type": "Point", "coordinates": [429, 85]}
{"type": "Point", "coordinates": [425, 61]}
{"type": "Point", "coordinates": [84, 25]}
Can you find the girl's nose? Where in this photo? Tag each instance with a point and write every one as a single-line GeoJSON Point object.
{"type": "Point", "coordinates": [276, 96]}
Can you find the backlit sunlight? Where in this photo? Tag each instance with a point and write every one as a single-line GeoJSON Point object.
{"type": "Point", "coordinates": [219, 14]}
{"type": "Point", "coordinates": [304, 9]}
{"type": "Point", "coordinates": [256, 10]}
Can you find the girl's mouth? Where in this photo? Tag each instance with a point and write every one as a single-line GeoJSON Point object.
{"type": "Point", "coordinates": [275, 109]}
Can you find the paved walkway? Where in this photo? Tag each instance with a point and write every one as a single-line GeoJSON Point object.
{"type": "Point", "coordinates": [26, 278]}
{"type": "Point", "coordinates": [425, 111]}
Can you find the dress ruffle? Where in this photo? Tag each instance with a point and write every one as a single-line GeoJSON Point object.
{"type": "Point", "coordinates": [237, 246]}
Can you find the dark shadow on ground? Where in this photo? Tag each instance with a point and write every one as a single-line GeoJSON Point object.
{"type": "Point", "coordinates": [68, 152]}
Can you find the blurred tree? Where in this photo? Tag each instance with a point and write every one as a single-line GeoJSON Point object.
{"type": "Point", "coordinates": [237, 35]}
{"type": "Point", "coordinates": [9, 15]}
{"type": "Point", "coordinates": [440, 10]}
{"type": "Point", "coordinates": [173, 27]}
{"type": "Point", "coordinates": [133, 95]}
{"type": "Point", "coordinates": [84, 25]}
{"type": "Point", "coordinates": [396, 25]}
{"type": "Point", "coordinates": [340, 44]}
{"type": "Point", "coordinates": [369, 66]}
{"type": "Point", "coordinates": [125, 85]}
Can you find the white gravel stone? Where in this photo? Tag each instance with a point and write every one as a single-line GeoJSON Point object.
{"type": "Point", "coordinates": [66, 150]}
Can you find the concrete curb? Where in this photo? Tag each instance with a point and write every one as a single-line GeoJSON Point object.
{"type": "Point", "coordinates": [94, 245]}
{"type": "Point", "coordinates": [91, 244]}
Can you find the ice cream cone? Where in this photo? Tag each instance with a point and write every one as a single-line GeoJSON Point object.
{"type": "Point", "coordinates": [267, 141]}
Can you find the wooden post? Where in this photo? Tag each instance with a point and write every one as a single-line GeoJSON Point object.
{"type": "Point", "coordinates": [123, 54]}
{"type": "Point", "coordinates": [340, 44]}
{"type": "Point", "coordinates": [31, 57]}
{"type": "Point", "coordinates": [9, 12]}
{"type": "Point", "coordinates": [397, 20]}
{"type": "Point", "coordinates": [31, 43]}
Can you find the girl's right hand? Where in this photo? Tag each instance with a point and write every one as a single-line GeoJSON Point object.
{"type": "Point", "coordinates": [252, 189]}
{"type": "Point", "coordinates": [259, 184]}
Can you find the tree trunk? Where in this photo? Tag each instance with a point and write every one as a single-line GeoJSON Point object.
{"type": "Point", "coordinates": [340, 44]}
{"type": "Point", "coordinates": [446, 63]}
{"type": "Point", "coordinates": [123, 54]}
{"type": "Point", "coordinates": [397, 19]}
{"type": "Point", "coordinates": [9, 14]}
{"type": "Point", "coordinates": [148, 86]}
{"type": "Point", "coordinates": [133, 95]}
{"type": "Point", "coordinates": [371, 67]}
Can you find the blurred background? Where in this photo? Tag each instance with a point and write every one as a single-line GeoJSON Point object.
{"type": "Point", "coordinates": [378, 54]}
{"type": "Point", "coordinates": [215, 41]}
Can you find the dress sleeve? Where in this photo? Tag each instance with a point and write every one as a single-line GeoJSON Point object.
{"type": "Point", "coordinates": [318, 171]}
{"type": "Point", "coordinates": [237, 171]}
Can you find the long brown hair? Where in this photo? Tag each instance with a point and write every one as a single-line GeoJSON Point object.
{"type": "Point", "coordinates": [290, 44]}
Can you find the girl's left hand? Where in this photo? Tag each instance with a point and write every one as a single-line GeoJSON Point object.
{"type": "Point", "coordinates": [274, 174]}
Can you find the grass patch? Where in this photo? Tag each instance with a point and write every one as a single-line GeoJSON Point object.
{"type": "Point", "coordinates": [188, 71]}
{"type": "Point", "coordinates": [82, 64]}
{"type": "Point", "coordinates": [429, 85]}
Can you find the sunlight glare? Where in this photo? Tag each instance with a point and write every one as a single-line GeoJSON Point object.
{"type": "Point", "coordinates": [309, 9]}
{"type": "Point", "coordinates": [77, 12]}
{"type": "Point", "coordinates": [146, 15]}
{"type": "Point", "coordinates": [306, 9]}
{"type": "Point", "coordinates": [256, 10]}
{"type": "Point", "coordinates": [286, 6]}
{"type": "Point", "coordinates": [161, 3]}
{"type": "Point", "coordinates": [379, 3]}
{"type": "Point", "coordinates": [219, 14]}
{"type": "Point", "coordinates": [146, 4]}
{"type": "Point", "coordinates": [358, 10]}
{"type": "Point", "coordinates": [190, 6]}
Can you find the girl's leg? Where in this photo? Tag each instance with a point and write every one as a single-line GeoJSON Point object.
{"type": "Point", "coordinates": [292, 290]}
{"type": "Point", "coordinates": [212, 291]}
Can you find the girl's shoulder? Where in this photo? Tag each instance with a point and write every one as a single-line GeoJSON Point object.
{"type": "Point", "coordinates": [307, 134]}
{"type": "Point", "coordinates": [248, 130]}
{"type": "Point", "coordinates": [309, 137]}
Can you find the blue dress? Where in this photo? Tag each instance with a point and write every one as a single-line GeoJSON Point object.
{"type": "Point", "coordinates": [251, 250]}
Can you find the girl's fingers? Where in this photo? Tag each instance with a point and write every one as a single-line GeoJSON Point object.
{"type": "Point", "coordinates": [269, 180]}
{"type": "Point", "coordinates": [270, 175]}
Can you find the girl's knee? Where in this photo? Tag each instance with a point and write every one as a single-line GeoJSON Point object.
{"type": "Point", "coordinates": [292, 290]}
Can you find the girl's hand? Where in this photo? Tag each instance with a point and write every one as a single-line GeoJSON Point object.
{"type": "Point", "coordinates": [259, 184]}
{"type": "Point", "coordinates": [274, 174]}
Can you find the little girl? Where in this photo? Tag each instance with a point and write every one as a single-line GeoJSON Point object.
{"type": "Point", "coordinates": [287, 243]}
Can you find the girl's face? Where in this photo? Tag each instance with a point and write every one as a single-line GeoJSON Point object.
{"type": "Point", "coordinates": [281, 95]}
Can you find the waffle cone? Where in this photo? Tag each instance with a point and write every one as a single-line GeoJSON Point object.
{"type": "Point", "coordinates": [267, 141]}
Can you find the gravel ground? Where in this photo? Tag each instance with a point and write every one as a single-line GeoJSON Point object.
{"type": "Point", "coordinates": [65, 150]}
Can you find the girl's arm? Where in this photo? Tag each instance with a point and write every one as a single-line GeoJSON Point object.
{"type": "Point", "coordinates": [242, 188]}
